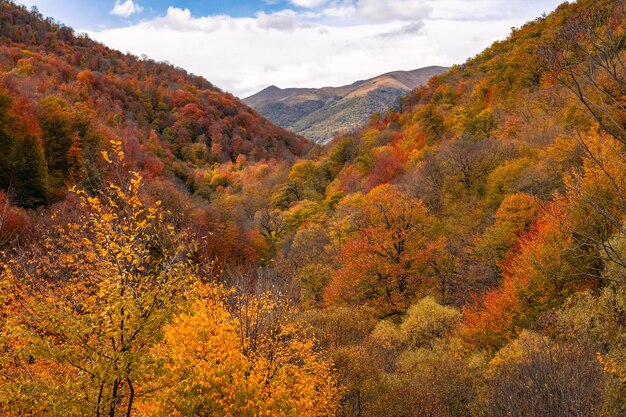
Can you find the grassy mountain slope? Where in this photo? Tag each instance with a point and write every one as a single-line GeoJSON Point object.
{"type": "Point", "coordinates": [319, 114]}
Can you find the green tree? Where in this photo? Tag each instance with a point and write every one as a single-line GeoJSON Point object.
{"type": "Point", "coordinates": [7, 142]}
{"type": "Point", "coordinates": [30, 175]}
{"type": "Point", "coordinates": [56, 127]}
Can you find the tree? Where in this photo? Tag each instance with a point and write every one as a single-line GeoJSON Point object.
{"type": "Point", "coordinates": [597, 203]}
{"type": "Point", "coordinates": [30, 177]}
{"type": "Point", "coordinates": [272, 226]}
{"type": "Point", "coordinates": [13, 222]}
{"type": "Point", "coordinates": [56, 127]}
{"type": "Point", "coordinates": [205, 371]}
{"type": "Point", "coordinates": [382, 264]}
{"type": "Point", "coordinates": [471, 160]}
{"type": "Point", "coordinates": [297, 379]}
{"type": "Point", "coordinates": [7, 142]}
{"type": "Point", "coordinates": [425, 324]}
{"type": "Point", "coordinates": [543, 271]}
{"type": "Point", "coordinates": [536, 377]}
{"type": "Point", "coordinates": [252, 362]}
{"type": "Point", "coordinates": [431, 121]}
{"type": "Point", "coordinates": [84, 307]}
{"type": "Point", "coordinates": [23, 166]}
{"type": "Point", "coordinates": [514, 216]}
{"type": "Point", "coordinates": [586, 56]}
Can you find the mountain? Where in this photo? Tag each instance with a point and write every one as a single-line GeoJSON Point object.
{"type": "Point", "coordinates": [64, 98]}
{"type": "Point", "coordinates": [321, 113]}
{"type": "Point", "coordinates": [461, 255]}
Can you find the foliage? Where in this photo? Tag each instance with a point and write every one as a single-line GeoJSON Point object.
{"type": "Point", "coordinates": [64, 97]}
{"type": "Point", "coordinates": [253, 362]}
{"type": "Point", "coordinates": [545, 378]}
{"type": "Point", "coordinates": [462, 255]}
{"type": "Point", "coordinates": [383, 260]}
{"type": "Point", "coordinates": [83, 308]}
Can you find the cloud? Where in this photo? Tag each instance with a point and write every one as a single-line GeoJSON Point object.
{"type": "Point", "coordinates": [409, 29]}
{"type": "Point", "coordinates": [285, 20]}
{"type": "Point", "coordinates": [384, 10]}
{"type": "Point", "coordinates": [340, 11]}
{"type": "Point", "coordinates": [126, 9]}
{"type": "Point", "coordinates": [336, 44]}
{"type": "Point", "coordinates": [309, 4]}
{"type": "Point", "coordinates": [478, 9]}
{"type": "Point", "coordinates": [181, 20]}
{"type": "Point", "coordinates": [245, 55]}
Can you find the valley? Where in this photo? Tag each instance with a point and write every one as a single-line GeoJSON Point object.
{"type": "Point", "coordinates": [446, 242]}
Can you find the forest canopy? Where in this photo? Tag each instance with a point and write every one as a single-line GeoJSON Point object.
{"type": "Point", "coordinates": [167, 251]}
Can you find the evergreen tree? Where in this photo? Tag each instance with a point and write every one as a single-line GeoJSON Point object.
{"type": "Point", "coordinates": [6, 142]}
{"type": "Point", "coordinates": [56, 128]}
{"type": "Point", "coordinates": [30, 173]}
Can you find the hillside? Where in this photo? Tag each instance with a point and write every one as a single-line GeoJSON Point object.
{"type": "Point", "coordinates": [461, 255]}
{"type": "Point", "coordinates": [62, 92]}
{"type": "Point", "coordinates": [321, 113]}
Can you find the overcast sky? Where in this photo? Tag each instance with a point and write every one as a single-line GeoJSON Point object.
{"type": "Point", "coordinates": [243, 46]}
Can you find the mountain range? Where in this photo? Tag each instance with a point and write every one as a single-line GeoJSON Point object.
{"type": "Point", "coordinates": [321, 113]}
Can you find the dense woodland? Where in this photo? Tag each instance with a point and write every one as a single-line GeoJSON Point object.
{"type": "Point", "coordinates": [166, 251]}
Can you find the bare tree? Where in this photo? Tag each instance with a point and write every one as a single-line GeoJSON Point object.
{"type": "Point", "coordinates": [550, 380]}
{"type": "Point", "coordinates": [472, 160]}
{"type": "Point", "coordinates": [587, 56]}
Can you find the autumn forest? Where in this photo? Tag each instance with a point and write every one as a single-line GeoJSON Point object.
{"type": "Point", "coordinates": [167, 251]}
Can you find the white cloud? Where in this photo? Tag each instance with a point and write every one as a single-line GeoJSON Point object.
{"type": "Point", "coordinates": [181, 20]}
{"type": "Point", "coordinates": [337, 44]}
{"type": "Point", "coordinates": [342, 11]}
{"type": "Point", "coordinates": [309, 3]}
{"type": "Point", "coordinates": [477, 9]}
{"type": "Point", "coordinates": [384, 10]}
{"type": "Point", "coordinates": [286, 20]}
{"type": "Point", "coordinates": [126, 9]}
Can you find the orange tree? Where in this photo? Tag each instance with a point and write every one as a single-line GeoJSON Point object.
{"type": "Point", "coordinates": [383, 263]}
{"type": "Point", "coordinates": [251, 361]}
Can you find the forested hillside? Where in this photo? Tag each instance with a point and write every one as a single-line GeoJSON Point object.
{"type": "Point", "coordinates": [63, 98]}
{"type": "Point", "coordinates": [462, 256]}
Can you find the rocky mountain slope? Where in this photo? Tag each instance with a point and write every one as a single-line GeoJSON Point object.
{"type": "Point", "coordinates": [321, 113]}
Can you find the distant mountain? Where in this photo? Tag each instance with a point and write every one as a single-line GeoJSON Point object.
{"type": "Point", "coordinates": [320, 113]}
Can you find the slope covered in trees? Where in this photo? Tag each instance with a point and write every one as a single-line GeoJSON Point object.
{"type": "Point", "coordinates": [63, 97]}
{"type": "Point", "coordinates": [462, 257]}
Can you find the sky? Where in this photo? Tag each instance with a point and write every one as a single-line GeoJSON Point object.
{"type": "Point", "coordinates": [243, 46]}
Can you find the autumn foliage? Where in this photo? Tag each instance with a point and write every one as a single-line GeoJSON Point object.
{"type": "Point", "coordinates": [165, 251]}
{"type": "Point", "coordinates": [385, 259]}
{"type": "Point", "coordinates": [93, 319]}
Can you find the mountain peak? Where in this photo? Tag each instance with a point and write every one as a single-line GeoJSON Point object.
{"type": "Point", "coordinates": [321, 113]}
{"type": "Point", "coordinates": [270, 89]}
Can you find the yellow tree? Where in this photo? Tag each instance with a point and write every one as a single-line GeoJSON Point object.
{"type": "Point", "coordinates": [205, 370]}
{"type": "Point", "coordinates": [82, 309]}
{"type": "Point", "coordinates": [251, 362]}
